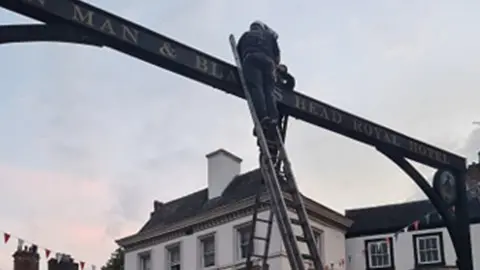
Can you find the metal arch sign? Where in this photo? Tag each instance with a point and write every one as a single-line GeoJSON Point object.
{"type": "Point", "coordinates": [142, 43]}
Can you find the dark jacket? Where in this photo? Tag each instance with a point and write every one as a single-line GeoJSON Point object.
{"type": "Point", "coordinates": [259, 41]}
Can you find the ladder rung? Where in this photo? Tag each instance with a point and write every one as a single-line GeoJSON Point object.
{"type": "Point", "coordinates": [301, 238]}
{"type": "Point", "coordinates": [260, 238]}
{"type": "Point", "coordinates": [264, 220]}
{"type": "Point", "coordinates": [308, 257]}
{"type": "Point", "coordinates": [257, 256]}
{"type": "Point", "coordinates": [296, 221]}
{"type": "Point", "coordinates": [295, 205]}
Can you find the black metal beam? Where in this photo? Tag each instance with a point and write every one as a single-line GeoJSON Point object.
{"type": "Point", "coordinates": [456, 221]}
{"type": "Point", "coordinates": [422, 183]}
{"type": "Point", "coordinates": [44, 32]}
{"type": "Point", "coordinates": [142, 43]}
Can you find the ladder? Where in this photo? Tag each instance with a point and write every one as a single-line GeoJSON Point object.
{"type": "Point", "coordinates": [257, 207]}
{"type": "Point", "coordinates": [278, 206]}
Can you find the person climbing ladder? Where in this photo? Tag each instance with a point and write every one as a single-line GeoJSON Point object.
{"type": "Point", "coordinates": [260, 55]}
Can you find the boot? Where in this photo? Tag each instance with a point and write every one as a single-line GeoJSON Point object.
{"type": "Point", "coordinates": [264, 122]}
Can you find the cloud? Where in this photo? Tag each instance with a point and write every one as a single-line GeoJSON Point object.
{"type": "Point", "coordinates": [90, 137]}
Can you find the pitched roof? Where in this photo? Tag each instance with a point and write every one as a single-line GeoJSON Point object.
{"type": "Point", "coordinates": [241, 187]}
{"type": "Point", "coordinates": [394, 217]}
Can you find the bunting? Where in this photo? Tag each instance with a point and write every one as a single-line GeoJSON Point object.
{"type": "Point", "coordinates": [21, 244]}
{"type": "Point", "coordinates": [473, 192]}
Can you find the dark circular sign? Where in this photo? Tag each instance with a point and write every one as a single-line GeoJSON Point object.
{"type": "Point", "coordinates": [444, 183]}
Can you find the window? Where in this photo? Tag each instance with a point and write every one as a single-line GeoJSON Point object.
{"type": "Point", "coordinates": [317, 235]}
{"type": "Point", "coordinates": [380, 253]}
{"type": "Point", "coordinates": [207, 246]}
{"type": "Point", "coordinates": [173, 257]}
{"type": "Point", "coordinates": [428, 249]}
{"type": "Point", "coordinates": [144, 261]}
{"type": "Point", "coordinates": [243, 237]}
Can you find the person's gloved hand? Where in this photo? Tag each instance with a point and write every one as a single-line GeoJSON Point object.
{"type": "Point", "coordinates": [287, 81]}
{"type": "Point", "coordinates": [282, 68]}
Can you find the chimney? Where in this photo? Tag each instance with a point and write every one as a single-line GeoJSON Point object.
{"type": "Point", "coordinates": [222, 167]}
{"type": "Point", "coordinates": [157, 205]}
{"type": "Point", "coordinates": [26, 259]}
{"type": "Point", "coordinates": [65, 263]}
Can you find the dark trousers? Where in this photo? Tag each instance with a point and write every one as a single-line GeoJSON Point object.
{"type": "Point", "coordinates": [259, 71]}
{"type": "Point", "coordinates": [259, 75]}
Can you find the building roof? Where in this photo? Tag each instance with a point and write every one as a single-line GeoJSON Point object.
{"type": "Point", "coordinates": [241, 187]}
{"type": "Point", "coordinates": [394, 217]}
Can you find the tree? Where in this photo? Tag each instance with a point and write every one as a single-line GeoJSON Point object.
{"type": "Point", "coordinates": [116, 260]}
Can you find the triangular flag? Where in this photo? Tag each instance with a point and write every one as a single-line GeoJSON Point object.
{"type": "Point", "coordinates": [82, 264]}
{"type": "Point", "coordinates": [47, 253]}
{"type": "Point", "coordinates": [395, 235]}
{"type": "Point", "coordinates": [6, 236]}
{"type": "Point", "coordinates": [58, 256]}
{"type": "Point", "coordinates": [415, 225]}
{"type": "Point", "coordinates": [20, 244]}
{"type": "Point", "coordinates": [427, 218]}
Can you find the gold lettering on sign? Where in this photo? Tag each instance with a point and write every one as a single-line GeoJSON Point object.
{"type": "Point", "coordinates": [369, 129]}
{"type": "Point", "coordinates": [232, 76]}
{"type": "Point", "coordinates": [375, 132]}
{"type": "Point", "coordinates": [300, 103]}
{"type": "Point", "coordinates": [167, 50]}
{"type": "Point", "coordinates": [41, 2]}
{"type": "Point", "coordinates": [107, 27]}
{"type": "Point", "coordinates": [201, 64]}
{"type": "Point", "coordinates": [130, 34]}
{"type": "Point", "coordinates": [318, 109]}
{"type": "Point", "coordinates": [428, 152]}
{"type": "Point", "coordinates": [208, 67]}
{"type": "Point", "coordinates": [216, 71]}
{"type": "Point", "coordinates": [104, 24]}
{"type": "Point", "coordinates": [82, 15]}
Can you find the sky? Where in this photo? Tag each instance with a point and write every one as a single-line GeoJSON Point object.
{"type": "Point", "coordinates": [90, 137]}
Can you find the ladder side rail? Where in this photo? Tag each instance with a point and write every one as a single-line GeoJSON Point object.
{"type": "Point", "coordinates": [251, 241]}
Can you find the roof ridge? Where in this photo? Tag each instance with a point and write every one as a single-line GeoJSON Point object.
{"type": "Point", "coordinates": [387, 205]}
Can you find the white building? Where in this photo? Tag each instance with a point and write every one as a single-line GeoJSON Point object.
{"type": "Point", "coordinates": [208, 229]}
{"type": "Point", "coordinates": [379, 238]}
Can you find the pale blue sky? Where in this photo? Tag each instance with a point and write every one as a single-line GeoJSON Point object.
{"type": "Point", "coordinates": [117, 133]}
